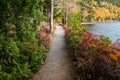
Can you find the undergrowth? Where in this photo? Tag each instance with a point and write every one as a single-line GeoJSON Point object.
{"type": "Point", "coordinates": [94, 56]}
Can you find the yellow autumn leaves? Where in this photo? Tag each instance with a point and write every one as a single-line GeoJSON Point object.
{"type": "Point", "coordinates": [104, 12]}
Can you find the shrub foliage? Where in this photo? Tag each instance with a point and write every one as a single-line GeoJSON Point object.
{"type": "Point", "coordinates": [94, 56]}
{"type": "Point", "coordinates": [20, 54]}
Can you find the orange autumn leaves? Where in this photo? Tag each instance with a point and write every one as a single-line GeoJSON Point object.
{"type": "Point", "coordinates": [115, 52]}
{"type": "Point", "coordinates": [115, 55]}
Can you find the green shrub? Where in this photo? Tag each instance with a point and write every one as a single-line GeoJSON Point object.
{"type": "Point", "coordinates": [19, 60]}
{"type": "Point", "coordinates": [20, 54]}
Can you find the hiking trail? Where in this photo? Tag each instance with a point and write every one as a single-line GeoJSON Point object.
{"type": "Point", "coordinates": [58, 65]}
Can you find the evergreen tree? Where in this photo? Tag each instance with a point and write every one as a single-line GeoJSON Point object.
{"type": "Point", "coordinates": [20, 54]}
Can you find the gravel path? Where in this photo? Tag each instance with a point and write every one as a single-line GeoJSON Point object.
{"type": "Point", "coordinates": [57, 66]}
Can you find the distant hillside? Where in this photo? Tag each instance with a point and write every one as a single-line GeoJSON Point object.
{"type": "Point", "coordinates": [99, 10]}
{"type": "Point", "coordinates": [117, 2]}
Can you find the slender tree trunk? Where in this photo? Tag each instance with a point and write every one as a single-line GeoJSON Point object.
{"type": "Point", "coordinates": [51, 17]}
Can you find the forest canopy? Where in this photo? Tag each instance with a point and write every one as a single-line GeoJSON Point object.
{"type": "Point", "coordinates": [99, 10]}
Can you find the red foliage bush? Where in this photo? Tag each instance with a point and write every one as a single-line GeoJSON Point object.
{"type": "Point", "coordinates": [43, 36]}
{"type": "Point", "coordinates": [67, 30]}
{"type": "Point", "coordinates": [92, 56]}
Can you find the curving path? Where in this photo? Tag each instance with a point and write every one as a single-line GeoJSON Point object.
{"type": "Point", "coordinates": [57, 66]}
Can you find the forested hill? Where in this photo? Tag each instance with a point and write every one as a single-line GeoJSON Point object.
{"type": "Point", "coordinates": [117, 2]}
{"type": "Point", "coordinates": [99, 10]}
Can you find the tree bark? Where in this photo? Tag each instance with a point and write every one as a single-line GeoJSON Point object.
{"type": "Point", "coordinates": [51, 17]}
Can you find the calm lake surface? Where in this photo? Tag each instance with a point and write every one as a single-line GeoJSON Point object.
{"type": "Point", "coordinates": [109, 29]}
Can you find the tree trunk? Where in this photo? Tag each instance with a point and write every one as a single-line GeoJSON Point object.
{"type": "Point", "coordinates": [51, 17]}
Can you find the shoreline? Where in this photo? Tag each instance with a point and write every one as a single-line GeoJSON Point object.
{"type": "Point", "coordinates": [94, 22]}
{"type": "Point", "coordinates": [85, 23]}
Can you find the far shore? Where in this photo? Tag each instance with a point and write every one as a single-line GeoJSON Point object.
{"type": "Point", "coordinates": [85, 23]}
{"type": "Point", "coordinates": [94, 22]}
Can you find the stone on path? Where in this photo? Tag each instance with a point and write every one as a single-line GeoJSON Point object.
{"type": "Point", "coordinates": [57, 65]}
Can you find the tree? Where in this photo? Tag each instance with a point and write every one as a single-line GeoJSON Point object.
{"type": "Point", "coordinates": [51, 16]}
{"type": "Point", "coordinates": [20, 55]}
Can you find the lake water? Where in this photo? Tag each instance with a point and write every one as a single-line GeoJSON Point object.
{"type": "Point", "coordinates": [109, 29]}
